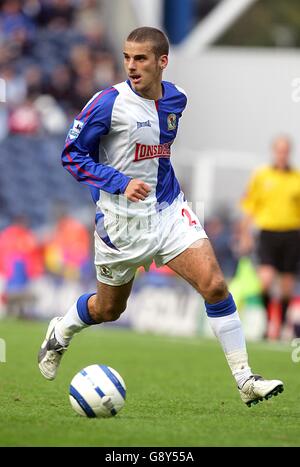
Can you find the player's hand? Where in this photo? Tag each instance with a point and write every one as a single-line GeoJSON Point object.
{"type": "Point", "coordinates": [137, 190]}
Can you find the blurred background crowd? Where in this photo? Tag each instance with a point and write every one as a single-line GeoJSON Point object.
{"type": "Point", "coordinates": [54, 55]}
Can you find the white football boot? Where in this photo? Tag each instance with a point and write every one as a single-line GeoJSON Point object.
{"type": "Point", "coordinates": [256, 389]}
{"type": "Point", "coordinates": [51, 352]}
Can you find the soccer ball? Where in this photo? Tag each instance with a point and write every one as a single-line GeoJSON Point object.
{"type": "Point", "coordinates": [97, 391]}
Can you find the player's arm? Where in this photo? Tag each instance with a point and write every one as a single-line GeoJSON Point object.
{"type": "Point", "coordinates": [83, 142]}
{"type": "Point", "coordinates": [246, 239]}
{"type": "Point", "coordinates": [249, 206]}
{"type": "Point", "coordinates": [77, 161]}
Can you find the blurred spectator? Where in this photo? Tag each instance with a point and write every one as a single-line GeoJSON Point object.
{"type": "Point", "coordinates": [67, 251]}
{"type": "Point", "coordinates": [53, 47]}
{"type": "Point", "coordinates": [34, 81]}
{"type": "Point", "coordinates": [60, 85]}
{"type": "Point", "coordinates": [105, 70]}
{"type": "Point", "coordinates": [20, 262]}
{"type": "Point", "coordinates": [220, 235]}
{"type": "Point", "coordinates": [16, 88]}
{"type": "Point", "coordinates": [52, 117]}
{"type": "Point", "coordinates": [15, 25]}
{"type": "Point", "coordinates": [90, 24]}
{"type": "Point", "coordinates": [24, 119]}
{"type": "Point", "coordinates": [272, 203]}
{"type": "Point", "coordinates": [56, 14]}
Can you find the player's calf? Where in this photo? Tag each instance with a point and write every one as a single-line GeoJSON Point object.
{"type": "Point", "coordinates": [107, 313]}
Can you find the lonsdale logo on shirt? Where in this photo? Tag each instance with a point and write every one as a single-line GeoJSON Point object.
{"type": "Point", "coordinates": [149, 151]}
{"type": "Point", "coordinates": [172, 122]}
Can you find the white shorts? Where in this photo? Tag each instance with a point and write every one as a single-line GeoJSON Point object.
{"type": "Point", "coordinates": [122, 245]}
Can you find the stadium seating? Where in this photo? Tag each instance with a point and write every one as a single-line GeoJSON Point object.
{"type": "Point", "coordinates": [32, 180]}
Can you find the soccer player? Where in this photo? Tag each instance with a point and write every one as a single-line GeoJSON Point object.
{"type": "Point", "coordinates": [120, 145]}
{"type": "Point", "coordinates": [272, 204]}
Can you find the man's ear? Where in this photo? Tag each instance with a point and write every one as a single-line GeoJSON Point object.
{"type": "Point", "coordinates": [163, 62]}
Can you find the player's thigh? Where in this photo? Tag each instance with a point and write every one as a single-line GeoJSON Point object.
{"type": "Point", "coordinates": [198, 265]}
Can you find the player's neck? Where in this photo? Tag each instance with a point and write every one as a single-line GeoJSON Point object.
{"type": "Point", "coordinates": [154, 93]}
{"type": "Point", "coordinates": [282, 168]}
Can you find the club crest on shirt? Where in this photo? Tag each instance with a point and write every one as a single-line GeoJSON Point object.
{"type": "Point", "coordinates": [105, 271]}
{"type": "Point", "coordinates": [172, 122]}
{"type": "Point", "coordinates": [76, 129]}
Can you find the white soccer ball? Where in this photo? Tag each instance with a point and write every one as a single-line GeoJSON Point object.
{"type": "Point", "coordinates": [97, 391]}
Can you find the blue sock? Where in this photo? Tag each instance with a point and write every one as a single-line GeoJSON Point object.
{"type": "Point", "coordinates": [82, 309]}
{"type": "Point", "coordinates": [222, 308]}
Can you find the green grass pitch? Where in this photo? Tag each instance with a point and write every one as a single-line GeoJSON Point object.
{"type": "Point", "coordinates": [179, 393]}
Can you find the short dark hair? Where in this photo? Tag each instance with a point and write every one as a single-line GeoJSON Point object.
{"type": "Point", "coordinates": [158, 38]}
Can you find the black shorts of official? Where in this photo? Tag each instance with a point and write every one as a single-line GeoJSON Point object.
{"type": "Point", "coordinates": [280, 250]}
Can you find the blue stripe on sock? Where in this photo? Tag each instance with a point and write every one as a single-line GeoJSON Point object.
{"type": "Point", "coordinates": [82, 402]}
{"type": "Point", "coordinates": [82, 309]}
{"type": "Point", "coordinates": [223, 308]}
{"type": "Point", "coordinates": [114, 380]}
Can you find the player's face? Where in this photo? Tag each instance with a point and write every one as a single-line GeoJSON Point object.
{"type": "Point", "coordinates": [144, 69]}
{"type": "Point", "coordinates": [281, 149]}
